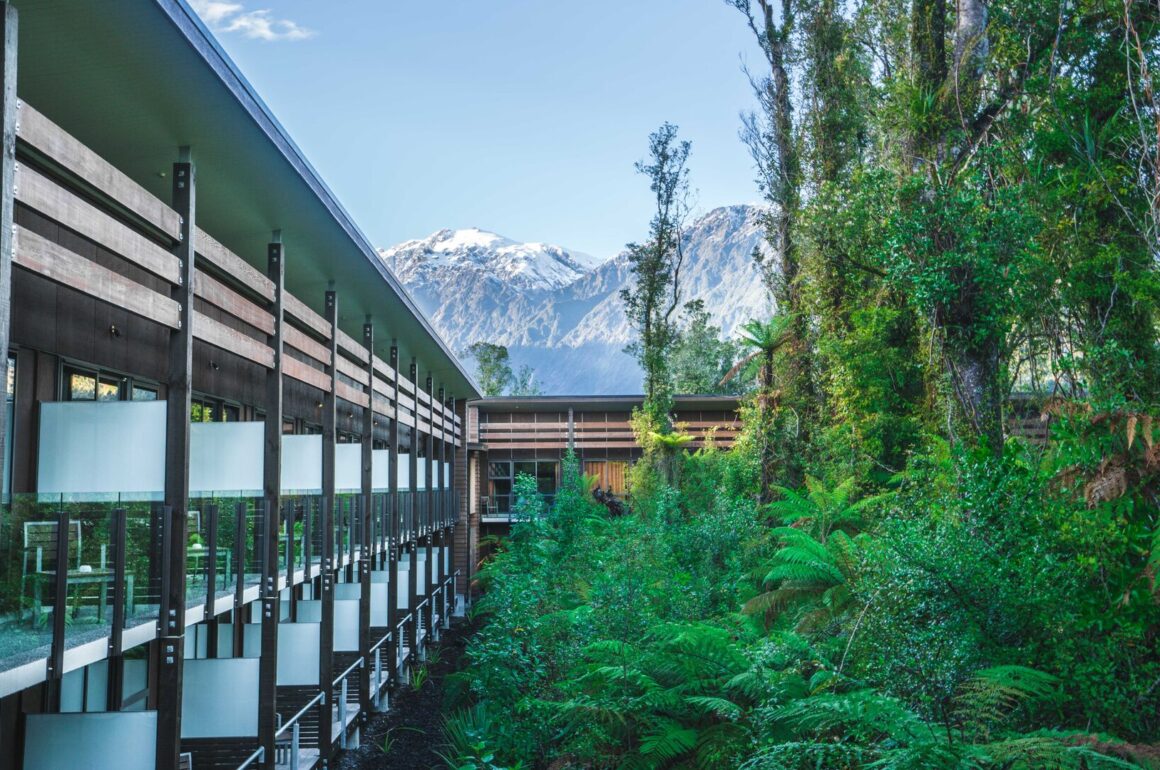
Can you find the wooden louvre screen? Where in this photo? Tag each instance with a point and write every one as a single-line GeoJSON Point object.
{"type": "Point", "coordinates": [609, 475]}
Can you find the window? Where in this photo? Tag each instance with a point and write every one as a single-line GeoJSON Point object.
{"type": "Point", "coordinates": [501, 477]}
{"type": "Point", "coordinates": [203, 409]}
{"type": "Point", "coordinates": [85, 384]}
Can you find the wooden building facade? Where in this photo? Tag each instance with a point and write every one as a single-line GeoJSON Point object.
{"type": "Point", "coordinates": [234, 450]}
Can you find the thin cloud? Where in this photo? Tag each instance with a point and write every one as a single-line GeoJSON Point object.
{"type": "Point", "coordinates": [225, 17]}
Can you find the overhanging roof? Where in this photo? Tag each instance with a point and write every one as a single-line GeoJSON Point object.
{"type": "Point", "coordinates": [598, 403]}
{"type": "Point", "coordinates": [137, 79]}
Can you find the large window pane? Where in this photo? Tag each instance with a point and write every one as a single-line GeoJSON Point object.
{"type": "Point", "coordinates": [82, 387]}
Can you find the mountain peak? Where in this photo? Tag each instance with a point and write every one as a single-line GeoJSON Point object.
{"type": "Point", "coordinates": [560, 311]}
{"type": "Point", "coordinates": [480, 255]}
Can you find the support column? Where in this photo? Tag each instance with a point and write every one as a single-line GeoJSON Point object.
{"type": "Point", "coordinates": [176, 499]}
{"type": "Point", "coordinates": [272, 494]}
{"type": "Point", "coordinates": [412, 534]}
{"type": "Point", "coordinates": [453, 501]}
{"type": "Point", "coordinates": [429, 530]}
{"type": "Point", "coordinates": [368, 544]}
{"type": "Point", "coordinates": [444, 504]}
{"type": "Point", "coordinates": [393, 516]}
{"type": "Point", "coordinates": [326, 573]}
{"type": "Point", "coordinates": [8, 106]}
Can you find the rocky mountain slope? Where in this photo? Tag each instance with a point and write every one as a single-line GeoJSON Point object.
{"type": "Point", "coordinates": [558, 310]}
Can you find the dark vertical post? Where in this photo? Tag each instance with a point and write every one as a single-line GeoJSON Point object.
{"type": "Point", "coordinates": [444, 506]}
{"type": "Point", "coordinates": [211, 578]}
{"type": "Point", "coordinates": [8, 107]}
{"type": "Point", "coordinates": [429, 529]}
{"type": "Point", "coordinates": [180, 384]}
{"type": "Point", "coordinates": [413, 529]}
{"type": "Point", "coordinates": [60, 609]}
{"type": "Point", "coordinates": [393, 513]}
{"type": "Point", "coordinates": [453, 501]}
{"type": "Point", "coordinates": [571, 430]}
{"type": "Point", "coordinates": [272, 493]}
{"type": "Point", "coordinates": [368, 542]}
{"type": "Point", "coordinates": [326, 574]}
{"type": "Point", "coordinates": [116, 677]}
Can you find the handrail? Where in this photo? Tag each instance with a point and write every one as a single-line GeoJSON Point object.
{"type": "Point", "coordinates": [380, 642]}
{"type": "Point", "coordinates": [301, 712]}
{"type": "Point", "coordinates": [350, 669]}
{"type": "Point", "coordinates": [257, 756]}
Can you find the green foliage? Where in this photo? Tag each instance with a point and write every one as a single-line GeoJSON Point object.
{"type": "Point", "coordinates": [654, 296]}
{"type": "Point", "coordinates": [494, 370]}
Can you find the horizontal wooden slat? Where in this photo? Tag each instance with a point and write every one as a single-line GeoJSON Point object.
{"type": "Point", "coordinates": [383, 407]}
{"type": "Point", "coordinates": [234, 266]}
{"type": "Point", "coordinates": [353, 395]}
{"type": "Point", "coordinates": [304, 343]}
{"type": "Point", "coordinates": [221, 296]}
{"type": "Point", "coordinates": [294, 368]}
{"type": "Point", "coordinates": [40, 255]}
{"type": "Point", "coordinates": [59, 146]}
{"type": "Point", "coordinates": [231, 340]}
{"type": "Point", "coordinates": [352, 370]}
{"type": "Point", "coordinates": [348, 343]}
{"type": "Point", "coordinates": [384, 369]}
{"type": "Point", "coordinates": [62, 205]}
{"type": "Point", "coordinates": [306, 316]}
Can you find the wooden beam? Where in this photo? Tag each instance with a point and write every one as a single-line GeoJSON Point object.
{"type": "Point", "coordinates": [234, 266]}
{"type": "Point", "coordinates": [61, 148]}
{"type": "Point", "coordinates": [368, 539]}
{"type": "Point", "coordinates": [9, 39]}
{"type": "Point", "coordinates": [351, 394]}
{"type": "Point", "coordinates": [231, 340]}
{"type": "Point", "coordinates": [179, 389]}
{"type": "Point", "coordinates": [393, 535]}
{"type": "Point", "coordinates": [39, 255]}
{"type": "Point", "coordinates": [221, 296]}
{"type": "Point", "coordinates": [297, 370]}
{"type": "Point", "coordinates": [272, 495]}
{"type": "Point", "coordinates": [307, 317]}
{"type": "Point", "coordinates": [62, 205]}
{"type": "Point", "coordinates": [347, 343]}
{"type": "Point", "coordinates": [356, 372]}
{"type": "Point", "coordinates": [304, 343]}
{"type": "Point", "coordinates": [327, 573]}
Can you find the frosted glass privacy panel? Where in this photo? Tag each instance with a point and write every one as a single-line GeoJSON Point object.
{"type": "Point", "coordinates": [226, 457]}
{"type": "Point", "coordinates": [302, 464]}
{"type": "Point", "coordinates": [123, 740]}
{"type": "Point", "coordinates": [298, 649]}
{"type": "Point", "coordinates": [95, 451]}
{"type": "Point", "coordinates": [447, 475]}
{"type": "Point", "coordinates": [348, 467]}
{"type": "Point", "coordinates": [219, 698]}
{"type": "Point", "coordinates": [379, 599]}
{"type": "Point", "coordinates": [404, 470]}
{"type": "Point", "coordinates": [421, 474]}
{"type": "Point", "coordinates": [381, 470]}
{"type": "Point", "coordinates": [346, 625]}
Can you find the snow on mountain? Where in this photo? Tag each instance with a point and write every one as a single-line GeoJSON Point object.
{"type": "Point", "coordinates": [560, 311]}
{"type": "Point", "coordinates": [526, 266]}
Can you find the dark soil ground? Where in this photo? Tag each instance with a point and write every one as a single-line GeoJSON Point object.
{"type": "Point", "coordinates": [413, 728]}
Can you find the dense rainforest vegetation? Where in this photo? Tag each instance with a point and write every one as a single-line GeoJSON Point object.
{"type": "Point", "coordinates": [962, 229]}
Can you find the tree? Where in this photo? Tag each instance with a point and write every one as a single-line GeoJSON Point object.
{"type": "Point", "coordinates": [656, 264]}
{"type": "Point", "coordinates": [524, 383]}
{"type": "Point", "coordinates": [766, 339]}
{"type": "Point", "coordinates": [493, 367]}
{"type": "Point", "coordinates": [700, 357]}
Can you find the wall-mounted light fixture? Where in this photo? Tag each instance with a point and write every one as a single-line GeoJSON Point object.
{"type": "Point", "coordinates": [114, 331]}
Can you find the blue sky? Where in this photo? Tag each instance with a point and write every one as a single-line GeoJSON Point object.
{"type": "Point", "coordinates": [519, 116]}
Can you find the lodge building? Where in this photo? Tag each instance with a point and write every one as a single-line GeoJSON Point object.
{"type": "Point", "coordinates": [242, 485]}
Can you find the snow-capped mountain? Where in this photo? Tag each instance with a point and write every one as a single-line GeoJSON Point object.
{"type": "Point", "coordinates": [559, 310]}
